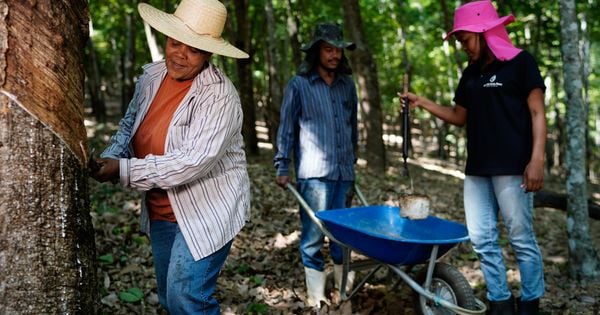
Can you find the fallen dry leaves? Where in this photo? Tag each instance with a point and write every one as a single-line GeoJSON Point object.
{"type": "Point", "coordinates": [264, 275]}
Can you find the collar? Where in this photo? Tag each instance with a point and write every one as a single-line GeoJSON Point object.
{"type": "Point", "coordinates": [314, 75]}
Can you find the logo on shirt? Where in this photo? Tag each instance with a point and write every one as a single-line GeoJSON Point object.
{"type": "Point", "coordinates": [493, 82]}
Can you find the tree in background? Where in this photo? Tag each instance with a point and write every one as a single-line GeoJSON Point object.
{"type": "Point", "coordinates": [47, 253]}
{"type": "Point", "coordinates": [583, 258]}
{"type": "Point", "coordinates": [366, 75]}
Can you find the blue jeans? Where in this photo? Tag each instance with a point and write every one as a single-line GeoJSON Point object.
{"type": "Point", "coordinates": [484, 198]}
{"type": "Point", "coordinates": [320, 194]}
{"type": "Point", "coordinates": [185, 286]}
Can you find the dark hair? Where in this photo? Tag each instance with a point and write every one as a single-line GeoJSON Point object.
{"type": "Point", "coordinates": [484, 50]}
{"type": "Point", "coordinates": [312, 58]}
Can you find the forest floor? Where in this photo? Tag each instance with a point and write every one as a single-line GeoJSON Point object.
{"type": "Point", "coordinates": [264, 275]}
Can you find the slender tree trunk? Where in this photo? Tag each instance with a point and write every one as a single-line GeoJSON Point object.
{"type": "Point", "coordinates": [155, 49]}
{"type": "Point", "coordinates": [128, 61]}
{"type": "Point", "coordinates": [47, 253]}
{"type": "Point", "coordinates": [366, 73]}
{"type": "Point", "coordinates": [559, 124]}
{"type": "Point", "coordinates": [244, 69]}
{"type": "Point", "coordinates": [585, 59]}
{"type": "Point", "coordinates": [94, 82]}
{"type": "Point", "coordinates": [293, 23]}
{"type": "Point", "coordinates": [448, 27]}
{"type": "Point", "coordinates": [274, 102]}
{"type": "Point", "coordinates": [583, 258]}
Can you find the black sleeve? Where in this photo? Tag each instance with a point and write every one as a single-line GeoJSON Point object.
{"type": "Point", "coordinates": [460, 95]}
{"type": "Point", "coordinates": [531, 76]}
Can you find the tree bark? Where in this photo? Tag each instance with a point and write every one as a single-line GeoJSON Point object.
{"type": "Point", "coordinates": [366, 73]}
{"type": "Point", "coordinates": [127, 88]}
{"type": "Point", "coordinates": [293, 22]}
{"type": "Point", "coordinates": [583, 258]}
{"type": "Point", "coordinates": [244, 70]}
{"type": "Point", "coordinates": [274, 101]}
{"type": "Point", "coordinates": [47, 253]}
{"type": "Point", "coordinates": [94, 83]}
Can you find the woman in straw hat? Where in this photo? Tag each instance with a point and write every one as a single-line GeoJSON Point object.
{"type": "Point", "coordinates": [180, 143]}
{"type": "Point", "coordinates": [500, 98]}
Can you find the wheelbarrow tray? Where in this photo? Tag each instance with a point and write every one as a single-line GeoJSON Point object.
{"type": "Point", "coordinates": [380, 233]}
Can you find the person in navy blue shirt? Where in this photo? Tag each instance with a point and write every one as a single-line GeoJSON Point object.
{"type": "Point", "coordinates": [500, 99]}
{"type": "Point", "coordinates": [318, 126]}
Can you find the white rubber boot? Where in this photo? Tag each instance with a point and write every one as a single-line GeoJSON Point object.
{"type": "Point", "coordinates": [338, 272]}
{"type": "Point", "coordinates": [315, 287]}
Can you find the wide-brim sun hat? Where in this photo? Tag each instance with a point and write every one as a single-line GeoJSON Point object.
{"type": "Point", "coordinates": [478, 17]}
{"type": "Point", "coordinates": [330, 33]}
{"type": "Point", "coordinates": [196, 23]}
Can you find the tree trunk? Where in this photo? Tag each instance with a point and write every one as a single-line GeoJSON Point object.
{"type": "Point", "coordinates": [94, 83]}
{"type": "Point", "coordinates": [155, 49]}
{"type": "Point", "coordinates": [127, 88]}
{"type": "Point", "coordinates": [293, 22]}
{"type": "Point", "coordinates": [366, 73]}
{"type": "Point", "coordinates": [244, 70]}
{"type": "Point", "coordinates": [274, 102]}
{"type": "Point", "coordinates": [47, 253]}
{"type": "Point", "coordinates": [583, 258]}
{"type": "Point", "coordinates": [547, 199]}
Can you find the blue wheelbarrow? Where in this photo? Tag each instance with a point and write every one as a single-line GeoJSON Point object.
{"type": "Point", "coordinates": [389, 240]}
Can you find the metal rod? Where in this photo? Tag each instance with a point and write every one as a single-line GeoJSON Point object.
{"type": "Point", "coordinates": [405, 125]}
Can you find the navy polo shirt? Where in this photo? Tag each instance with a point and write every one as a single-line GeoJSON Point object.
{"type": "Point", "coordinates": [499, 128]}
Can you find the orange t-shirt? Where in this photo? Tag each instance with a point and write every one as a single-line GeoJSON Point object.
{"type": "Point", "coordinates": [151, 136]}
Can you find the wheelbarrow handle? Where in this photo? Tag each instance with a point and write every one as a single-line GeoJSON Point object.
{"type": "Point", "coordinates": [360, 195]}
{"type": "Point", "coordinates": [311, 213]}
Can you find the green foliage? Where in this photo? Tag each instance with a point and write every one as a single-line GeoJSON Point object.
{"type": "Point", "coordinates": [256, 280]}
{"type": "Point", "coordinates": [108, 259]}
{"type": "Point", "coordinates": [257, 308]}
{"type": "Point", "coordinates": [434, 68]}
{"type": "Point", "coordinates": [132, 295]}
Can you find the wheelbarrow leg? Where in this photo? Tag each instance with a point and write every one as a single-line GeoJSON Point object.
{"type": "Point", "coordinates": [345, 271]}
{"type": "Point", "coordinates": [431, 267]}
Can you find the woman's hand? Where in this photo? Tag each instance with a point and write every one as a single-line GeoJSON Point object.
{"type": "Point", "coordinates": [108, 171]}
{"type": "Point", "coordinates": [533, 177]}
{"type": "Point", "coordinates": [413, 99]}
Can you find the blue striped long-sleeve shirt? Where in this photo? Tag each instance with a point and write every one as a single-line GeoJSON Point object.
{"type": "Point", "coordinates": [319, 125]}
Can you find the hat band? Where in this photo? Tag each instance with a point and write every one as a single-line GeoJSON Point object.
{"type": "Point", "coordinates": [211, 22]}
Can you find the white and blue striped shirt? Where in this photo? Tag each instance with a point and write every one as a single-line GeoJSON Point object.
{"type": "Point", "coordinates": [203, 169]}
{"type": "Point", "coordinates": [319, 125]}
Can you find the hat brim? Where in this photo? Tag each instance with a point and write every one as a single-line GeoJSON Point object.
{"type": "Point", "coordinates": [481, 28]}
{"type": "Point", "coordinates": [173, 27]}
{"type": "Point", "coordinates": [338, 44]}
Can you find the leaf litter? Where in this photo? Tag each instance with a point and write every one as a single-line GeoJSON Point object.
{"type": "Point", "coordinates": [264, 274]}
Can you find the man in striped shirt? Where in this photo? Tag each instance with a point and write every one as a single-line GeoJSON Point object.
{"type": "Point", "coordinates": [319, 126]}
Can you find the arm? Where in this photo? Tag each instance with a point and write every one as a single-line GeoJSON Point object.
{"type": "Point", "coordinates": [286, 135]}
{"type": "Point", "coordinates": [354, 122]}
{"type": "Point", "coordinates": [118, 147]}
{"type": "Point", "coordinates": [533, 177]}
{"type": "Point", "coordinates": [456, 115]}
{"type": "Point", "coordinates": [197, 147]}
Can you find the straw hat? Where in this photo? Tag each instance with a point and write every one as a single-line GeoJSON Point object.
{"type": "Point", "coordinates": [196, 23]}
{"type": "Point", "coordinates": [478, 17]}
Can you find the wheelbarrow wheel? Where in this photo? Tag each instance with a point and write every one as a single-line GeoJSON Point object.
{"type": "Point", "coordinates": [448, 284]}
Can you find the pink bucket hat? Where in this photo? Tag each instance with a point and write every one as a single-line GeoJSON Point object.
{"type": "Point", "coordinates": [481, 17]}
